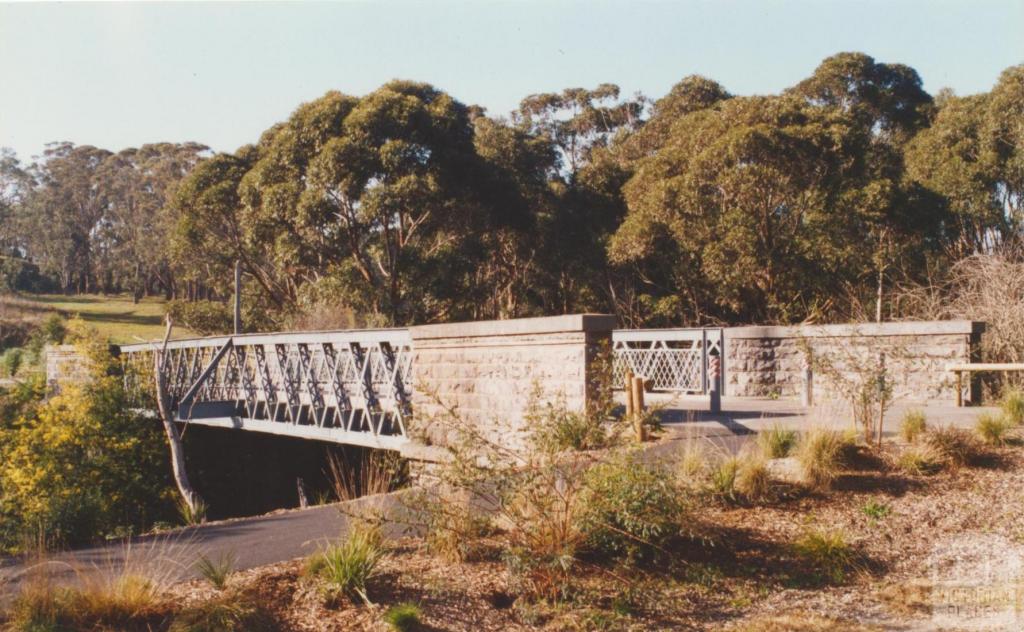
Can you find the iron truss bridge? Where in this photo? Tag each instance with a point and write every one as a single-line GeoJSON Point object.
{"type": "Point", "coordinates": [674, 360]}
{"type": "Point", "coordinates": [351, 387]}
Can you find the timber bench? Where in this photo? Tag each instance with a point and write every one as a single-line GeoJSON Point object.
{"type": "Point", "coordinates": [960, 369]}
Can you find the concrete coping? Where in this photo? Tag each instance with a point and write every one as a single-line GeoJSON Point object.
{"type": "Point", "coordinates": [516, 327]}
{"type": "Point", "coordinates": [905, 328]}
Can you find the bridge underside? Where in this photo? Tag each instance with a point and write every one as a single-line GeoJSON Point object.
{"type": "Point", "coordinates": [370, 431]}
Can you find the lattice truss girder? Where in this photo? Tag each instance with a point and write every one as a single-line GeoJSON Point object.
{"type": "Point", "coordinates": [351, 385]}
{"type": "Point", "coordinates": [673, 359]}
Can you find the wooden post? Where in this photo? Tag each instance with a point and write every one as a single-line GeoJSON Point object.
{"type": "Point", "coordinates": [638, 408]}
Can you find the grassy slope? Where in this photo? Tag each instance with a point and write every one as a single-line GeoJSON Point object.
{"type": "Point", "coordinates": [115, 317]}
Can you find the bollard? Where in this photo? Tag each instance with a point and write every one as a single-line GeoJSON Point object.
{"type": "Point", "coordinates": [808, 395]}
{"type": "Point", "coordinates": [638, 408]}
{"type": "Point", "coordinates": [714, 385]}
{"type": "Point", "coordinates": [629, 395]}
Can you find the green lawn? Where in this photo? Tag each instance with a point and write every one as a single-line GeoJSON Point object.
{"type": "Point", "coordinates": [115, 317]}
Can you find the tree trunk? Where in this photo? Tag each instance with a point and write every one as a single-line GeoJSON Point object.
{"type": "Point", "coordinates": [163, 400]}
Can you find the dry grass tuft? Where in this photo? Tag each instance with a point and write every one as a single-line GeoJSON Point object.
{"type": "Point", "coordinates": [820, 456]}
{"type": "Point", "coordinates": [913, 425]}
{"type": "Point", "coordinates": [777, 442]}
{"type": "Point", "coordinates": [993, 429]}
{"type": "Point", "coordinates": [955, 447]}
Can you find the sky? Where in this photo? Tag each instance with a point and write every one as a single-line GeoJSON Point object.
{"type": "Point", "coordinates": [117, 75]}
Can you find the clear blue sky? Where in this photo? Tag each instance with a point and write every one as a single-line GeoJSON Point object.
{"type": "Point", "coordinates": [118, 75]}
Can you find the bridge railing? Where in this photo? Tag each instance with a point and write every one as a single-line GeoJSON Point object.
{"type": "Point", "coordinates": [671, 359]}
{"type": "Point", "coordinates": [348, 386]}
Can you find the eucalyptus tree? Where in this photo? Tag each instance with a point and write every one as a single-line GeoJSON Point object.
{"type": "Point", "coordinates": [741, 202]}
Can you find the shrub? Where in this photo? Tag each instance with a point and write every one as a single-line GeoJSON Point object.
{"type": "Point", "coordinates": [820, 454]}
{"type": "Point", "coordinates": [630, 509]}
{"type": "Point", "coordinates": [913, 425]}
{"type": "Point", "coordinates": [993, 428]}
{"type": "Point", "coordinates": [954, 447]}
{"type": "Point", "coordinates": [347, 567]}
{"type": "Point", "coordinates": [777, 442]}
{"type": "Point", "coordinates": [454, 531]}
{"type": "Point", "coordinates": [829, 553]}
{"type": "Point", "coordinates": [217, 571]}
{"type": "Point", "coordinates": [1013, 406]}
{"type": "Point", "coordinates": [920, 461]}
{"type": "Point", "coordinates": [403, 617]}
{"type": "Point", "coordinates": [12, 361]}
{"type": "Point", "coordinates": [53, 329]}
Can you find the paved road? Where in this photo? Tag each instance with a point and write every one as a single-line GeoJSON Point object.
{"type": "Point", "coordinates": [287, 535]}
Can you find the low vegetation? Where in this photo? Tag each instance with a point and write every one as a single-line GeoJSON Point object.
{"type": "Point", "coordinates": [403, 617]}
{"type": "Point", "coordinates": [913, 425]}
{"type": "Point", "coordinates": [993, 429]}
{"type": "Point", "coordinates": [829, 554]}
{"type": "Point", "coordinates": [819, 454]}
{"type": "Point", "coordinates": [344, 569]}
{"type": "Point", "coordinates": [777, 442]}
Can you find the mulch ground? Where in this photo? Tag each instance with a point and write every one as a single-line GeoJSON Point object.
{"type": "Point", "coordinates": [740, 572]}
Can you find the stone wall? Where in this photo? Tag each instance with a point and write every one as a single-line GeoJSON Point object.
{"type": "Point", "coordinates": [64, 364]}
{"type": "Point", "coordinates": [488, 370]}
{"type": "Point", "coordinates": [770, 361]}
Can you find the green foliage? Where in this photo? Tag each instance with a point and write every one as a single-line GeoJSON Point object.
{"type": "Point", "coordinates": [875, 510]}
{"type": "Point", "coordinates": [913, 425]}
{"type": "Point", "coordinates": [558, 428]}
{"type": "Point", "coordinates": [820, 456]}
{"type": "Point", "coordinates": [1013, 406]}
{"type": "Point", "coordinates": [80, 465]}
{"type": "Point", "coordinates": [345, 568]}
{"type": "Point", "coordinates": [993, 429]}
{"type": "Point", "coordinates": [630, 509]}
{"type": "Point", "coordinates": [829, 554]}
{"type": "Point", "coordinates": [403, 617]}
{"type": "Point", "coordinates": [217, 571]}
{"type": "Point", "coordinates": [777, 442]}
{"type": "Point", "coordinates": [12, 361]}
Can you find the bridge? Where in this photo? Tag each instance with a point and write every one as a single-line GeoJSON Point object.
{"type": "Point", "coordinates": [361, 387]}
{"type": "Point", "coordinates": [355, 387]}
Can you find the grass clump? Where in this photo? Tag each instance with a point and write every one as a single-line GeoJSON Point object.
{"type": "Point", "coordinates": [920, 461]}
{"type": "Point", "coordinates": [1013, 406]}
{"type": "Point", "coordinates": [403, 617]}
{"type": "Point", "coordinates": [819, 454]}
{"type": "Point", "coordinates": [228, 613]}
{"type": "Point", "coordinates": [829, 553]}
{"type": "Point", "coordinates": [913, 425]}
{"type": "Point", "coordinates": [346, 568]}
{"type": "Point", "coordinates": [629, 509]}
{"type": "Point", "coordinates": [454, 531]}
{"type": "Point", "coordinates": [216, 571]}
{"type": "Point", "coordinates": [993, 429]}
{"type": "Point", "coordinates": [777, 442]}
{"type": "Point", "coordinates": [694, 465]}
{"type": "Point", "coordinates": [954, 447]}
{"type": "Point", "coordinates": [743, 477]}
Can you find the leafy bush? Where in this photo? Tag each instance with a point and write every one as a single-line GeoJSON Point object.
{"type": "Point", "coordinates": [630, 509]}
{"type": "Point", "coordinates": [993, 428]}
{"type": "Point", "coordinates": [820, 456]}
{"type": "Point", "coordinates": [403, 617]}
{"type": "Point", "coordinates": [81, 465]}
{"type": "Point", "coordinates": [203, 317]}
{"type": "Point", "coordinates": [829, 553]}
{"type": "Point", "coordinates": [12, 361]}
{"type": "Point", "coordinates": [1013, 406]}
{"type": "Point", "coordinates": [777, 442]}
{"type": "Point", "coordinates": [913, 425]}
{"type": "Point", "coordinates": [454, 530]}
{"type": "Point", "coordinates": [346, 568]}
{"type": "Point", "coordinates": [920, 461]}
{"type": "Point", "coordinates": [558, 428]}
{"type": "Point", "coordinates": [955, 447]}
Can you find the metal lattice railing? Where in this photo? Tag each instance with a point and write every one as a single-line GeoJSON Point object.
{"type": "Point", "coordinates": [348, 387]}
{"type": "Point", "coordinates": [672, 359]}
